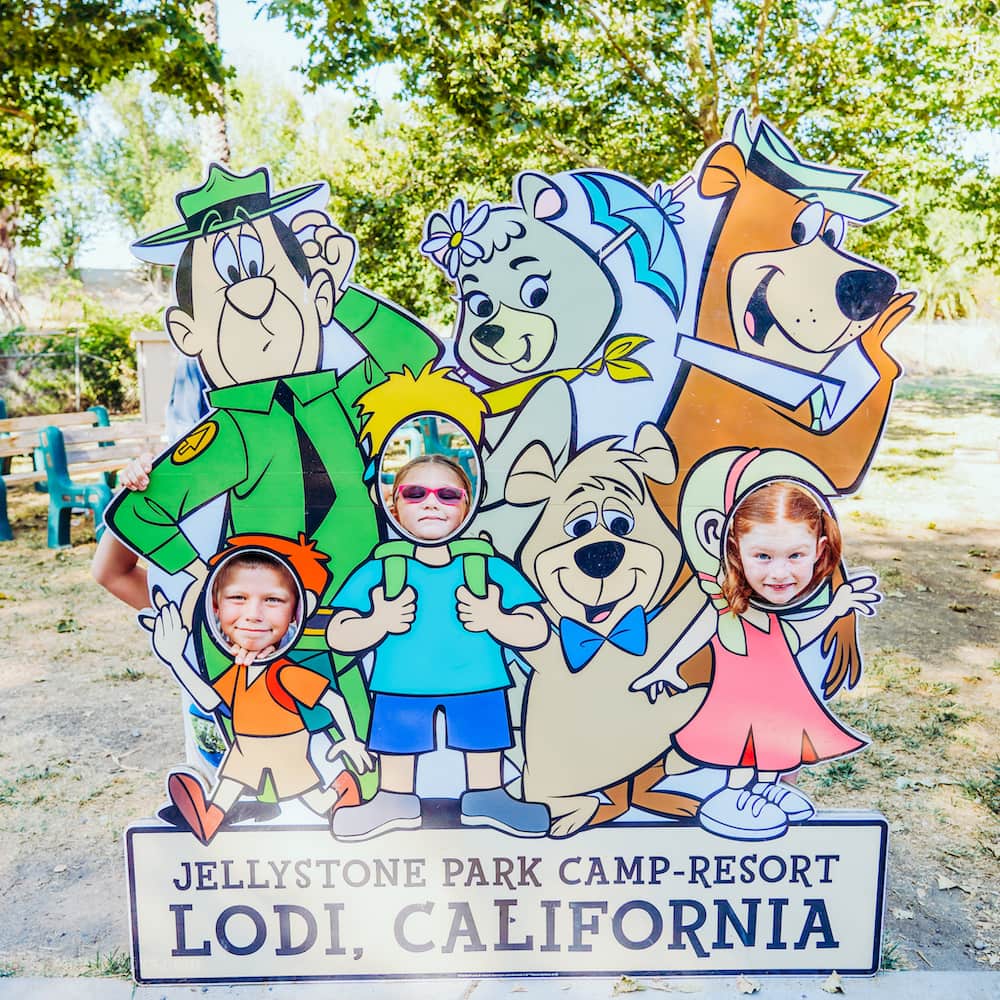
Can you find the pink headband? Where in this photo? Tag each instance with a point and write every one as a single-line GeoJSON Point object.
{"type": "Point", "coordinates": [733, 478]}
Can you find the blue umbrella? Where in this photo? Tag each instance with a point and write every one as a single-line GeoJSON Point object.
{"type": "Point", "coordinates": [646, 225]}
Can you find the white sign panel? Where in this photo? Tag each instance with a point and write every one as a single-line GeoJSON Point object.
{"type": "Point", "coordinates": [288, 903]}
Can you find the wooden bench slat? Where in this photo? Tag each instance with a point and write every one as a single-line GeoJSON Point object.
{"type": "Point", "coordinates": [23, 437]}
{"type": "Point", "coordinates": [19, 444]}
{"type": "Point", "coordinates": [126, 431]}
{"type": "Point", "coordinates": [150, 436]}
{"type": "Point", "coordinates": [30, 476]}
{"type": "Point", "coordinates": [15, 424]}
{"type": "Point", "coordinates": [83, 472]}
{"type": "Point", "coordinates": [90, 457]}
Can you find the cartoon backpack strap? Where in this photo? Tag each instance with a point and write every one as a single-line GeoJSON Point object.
{"type": "Point", "coordinates": [277, 690]}
{"type": "Point", "coordinates": [474, 553]}
{"type": "Point", "coordinates": [394, 556]}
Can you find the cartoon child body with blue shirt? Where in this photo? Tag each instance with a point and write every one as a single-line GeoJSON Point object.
{"type": "Point", "coordinates": [438, 616]}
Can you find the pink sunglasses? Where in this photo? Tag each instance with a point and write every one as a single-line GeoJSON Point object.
{"type": "Point", "coordinates": [451, 496]}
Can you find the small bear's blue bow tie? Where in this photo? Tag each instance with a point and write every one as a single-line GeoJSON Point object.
{"type": "Point", "coordinates": [580, 643]}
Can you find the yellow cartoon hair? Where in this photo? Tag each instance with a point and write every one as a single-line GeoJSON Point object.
{"type": "Point", "coordinates": [385, 406]}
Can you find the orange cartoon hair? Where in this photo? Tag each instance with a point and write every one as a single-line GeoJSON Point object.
{"type": "Point", "coordinates": [300, 556]}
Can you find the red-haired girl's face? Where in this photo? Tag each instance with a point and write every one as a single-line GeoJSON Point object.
{"type": "Point", "coordinates": [779, 557]}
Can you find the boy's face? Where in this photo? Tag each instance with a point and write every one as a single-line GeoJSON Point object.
{"type": "Point", "coordinates": [778, 558]}
{"type": "Point", "coordinates": [431, 518]}
{"type": "Point", "coordinates": [255, 606]}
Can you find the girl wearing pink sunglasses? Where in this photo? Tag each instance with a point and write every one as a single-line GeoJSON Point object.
{"type": "Point", "coordinates": [430, 497]}
{"type": "Point", "coordinates": [439, 650]}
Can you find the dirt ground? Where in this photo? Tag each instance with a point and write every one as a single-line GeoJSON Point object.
{"type": "Point", "coordinates": [89, 722]}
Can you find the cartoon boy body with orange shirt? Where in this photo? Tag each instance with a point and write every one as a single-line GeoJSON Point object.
{"type": "Point", "coordinates": [262, 587]}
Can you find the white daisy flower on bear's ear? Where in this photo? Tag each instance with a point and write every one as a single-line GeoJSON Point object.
{"type": "Point", "coordinates": [448, 240]}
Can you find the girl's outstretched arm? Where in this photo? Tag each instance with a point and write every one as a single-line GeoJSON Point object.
{"type": "Point", "coordinates": [858, 595]}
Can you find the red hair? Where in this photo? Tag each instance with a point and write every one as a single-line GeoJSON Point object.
{"type": "Point", "coordinates": [778, 502]}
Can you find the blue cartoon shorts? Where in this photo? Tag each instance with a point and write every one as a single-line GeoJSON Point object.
{"type": "Point", "coordinates": [476, 722]}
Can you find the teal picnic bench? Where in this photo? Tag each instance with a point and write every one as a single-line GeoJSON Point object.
{"type": "Point", "coordinates": [72, 456]}
{"type": "Point", "coordinates": [20, 461]}
{"type": "Point", "coordinates": [69, 453]}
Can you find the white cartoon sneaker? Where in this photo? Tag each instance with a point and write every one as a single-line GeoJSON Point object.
{"type": "Point", "coordinates": [796, 807]}
{"type": "Point", "coordinates": [741, 814]}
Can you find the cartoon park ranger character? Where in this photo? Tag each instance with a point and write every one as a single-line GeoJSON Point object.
{"type": "Point", "coordinates": [281, 442]}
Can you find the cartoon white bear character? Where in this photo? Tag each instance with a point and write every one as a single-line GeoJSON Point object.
{"type": "Point", "coordinates": [567, 315]}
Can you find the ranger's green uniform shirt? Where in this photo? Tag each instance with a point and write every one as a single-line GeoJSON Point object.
{"type": "Point", "coordinates": [249, 449]}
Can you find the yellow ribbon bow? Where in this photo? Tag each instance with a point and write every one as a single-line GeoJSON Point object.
{"type": "Point", "coordinates": [616, 358]}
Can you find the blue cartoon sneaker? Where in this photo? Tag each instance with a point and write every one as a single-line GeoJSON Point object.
{"type": "Point", "coordinates": [495, 808]}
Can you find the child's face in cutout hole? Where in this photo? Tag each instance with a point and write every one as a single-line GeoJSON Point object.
{"type": "Point", "coordinates": [255, 606]}
{"type": "Point", "coordinates": [778, 558]}
{"type": "Point", "coordinates": [430, 519]}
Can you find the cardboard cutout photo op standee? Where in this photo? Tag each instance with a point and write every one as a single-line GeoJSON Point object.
{"type": "Point", "coordinates": [577, 319]}
{"type": "Point", "coordinates": [568, 298]}
{"type": "Point", "coordinates": [254, 285]}
{"type": "Point", "coordinates": [437, 610]}
{"type": "Point", "coordinates": [260, 587]}
{"type": "Point", "coordinates": [605, 560]}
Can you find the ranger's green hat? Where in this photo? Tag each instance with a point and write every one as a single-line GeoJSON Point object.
{"type": "Point", "coordinates": [225, 199]}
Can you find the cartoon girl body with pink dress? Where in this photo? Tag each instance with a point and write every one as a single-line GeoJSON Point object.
{"type": "Point", "coordinates": [758, 528]}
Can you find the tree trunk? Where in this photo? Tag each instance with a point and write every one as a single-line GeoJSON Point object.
{"type": "Point", "coordinates": [699, 45]}
{"type": "Point", "coordinates": [12, 311]}
{"type": "Point", "coordinates": [214, 133]}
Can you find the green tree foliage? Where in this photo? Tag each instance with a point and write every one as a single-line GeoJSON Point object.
{"type": "Point", "coordinates": [269, 125]}
{"type": "Point", "coordinates": [139, 148]}
{"type": "Point", "coordinates": [58, 52]}
{"type": "Point", "coordinates": [71, 218]}
{"type": "Point", "coordinates": [41, 378]}
{"type": "Point", "coordinates": [640, 86]}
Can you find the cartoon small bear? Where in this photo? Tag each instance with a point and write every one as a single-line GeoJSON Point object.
{"type": "Point", "coordinates": [604, 558]}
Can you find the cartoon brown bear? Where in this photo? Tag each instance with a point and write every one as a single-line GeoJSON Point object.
{"type": "Point", "coordinates": [788, 350]}
{"type": "Point", "coordinates": [604, 558]}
